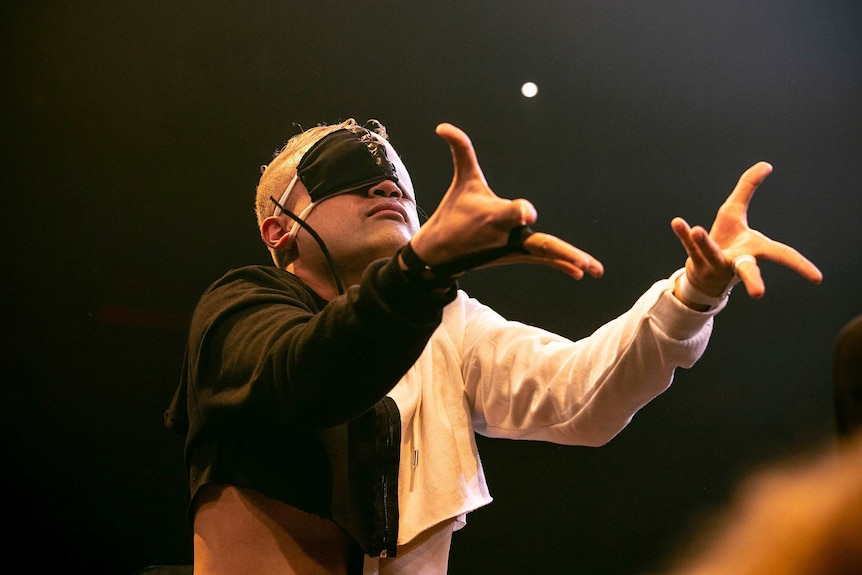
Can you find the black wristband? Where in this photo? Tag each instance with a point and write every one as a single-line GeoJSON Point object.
{"type": "Point", "coordinates": [514, 244]}
{"type": "Point", "coordinates": [445, 274]}
{"type": "Point", "coordinates": [419, 272]}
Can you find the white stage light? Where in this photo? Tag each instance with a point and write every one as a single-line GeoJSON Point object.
{"type": "Point", "coordinates": [529, 89]}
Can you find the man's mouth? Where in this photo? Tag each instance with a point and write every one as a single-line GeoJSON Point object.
{"type": "Point", "coordinates": [390, 210]}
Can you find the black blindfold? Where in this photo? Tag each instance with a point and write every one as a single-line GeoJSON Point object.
{"type": "Point", "coordinates": [344, 160]}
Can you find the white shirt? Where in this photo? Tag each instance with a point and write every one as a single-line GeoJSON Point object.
{"type": "Point", "coordinates": [481, 373]}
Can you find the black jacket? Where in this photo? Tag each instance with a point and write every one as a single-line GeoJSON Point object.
{"type": "Point", "coordinates": [284, 393]}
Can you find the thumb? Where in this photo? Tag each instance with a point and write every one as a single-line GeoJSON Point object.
{"type": "Point", "coordinates": [464, 159]}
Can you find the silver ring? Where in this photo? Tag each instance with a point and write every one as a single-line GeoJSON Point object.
{"type": "Point", "coordinates": [739, 260]}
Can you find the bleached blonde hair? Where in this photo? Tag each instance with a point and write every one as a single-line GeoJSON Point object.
{"type": "Point", "coordinates": [277, 174]}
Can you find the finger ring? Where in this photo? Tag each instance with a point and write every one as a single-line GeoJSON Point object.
{"type": "Point", "coordinates": [739, 260]}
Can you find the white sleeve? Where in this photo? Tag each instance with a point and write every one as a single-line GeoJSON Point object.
{"type": "Point", "coordinates": [526, 383]}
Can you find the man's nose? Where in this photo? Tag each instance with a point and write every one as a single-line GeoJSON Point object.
{"type": "Point", "coordinates": [386, 189]}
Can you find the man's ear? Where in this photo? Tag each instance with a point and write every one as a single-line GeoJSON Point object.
{"type": "Point", "coordinates": [274, 233]}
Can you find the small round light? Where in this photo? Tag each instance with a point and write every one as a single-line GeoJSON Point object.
{"type": "Point", "coordinates": [529, 89]}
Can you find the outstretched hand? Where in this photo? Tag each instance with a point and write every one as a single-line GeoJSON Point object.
{"type": "Point", "coordinates": [471, 219]}
{"type": "Point", "coordinates": [710, 265]}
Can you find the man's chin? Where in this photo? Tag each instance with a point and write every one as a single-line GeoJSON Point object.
{"type": "Point", "coordinates": [391, 243]}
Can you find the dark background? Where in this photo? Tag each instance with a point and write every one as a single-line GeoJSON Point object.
{"type": "Point", "coordinates": [133, 133]}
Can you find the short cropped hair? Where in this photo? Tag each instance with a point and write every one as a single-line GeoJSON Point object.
{"type": "Point", "coordinates": [277, 174]}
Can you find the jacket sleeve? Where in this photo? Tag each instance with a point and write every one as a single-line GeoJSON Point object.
{"type": "Point", "coordinates": [526, 383]}
{"type": "Point", "coordinates": [263, 348]}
